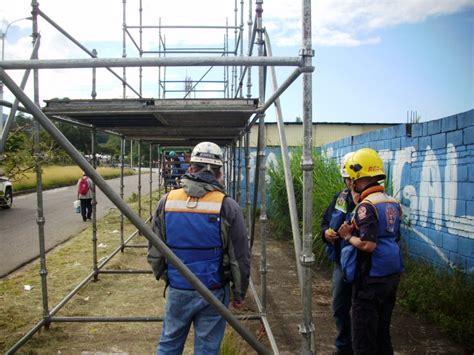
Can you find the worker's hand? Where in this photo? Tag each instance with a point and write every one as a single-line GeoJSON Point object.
{"type": "Point", "coordinates": [237, 304]}
{"type": "Point", "coordinates": [345, 231]}
{"type": "Point", "coordinates": [330, 235]}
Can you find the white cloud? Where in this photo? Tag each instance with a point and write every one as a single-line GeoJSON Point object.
{"type": "Point", "coordinates": [335, 22]}
{"type": "Point", "coordinates": [98, 24]}
{"type": "Point", "coordinates": [353, 22]}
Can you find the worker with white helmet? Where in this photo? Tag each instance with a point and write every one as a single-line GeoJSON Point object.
{"type": "Point", "coordinates": [337, 212]}
{"type": "Point", "coordinates": [206, 230]}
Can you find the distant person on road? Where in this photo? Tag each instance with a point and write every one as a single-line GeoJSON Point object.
{"type": "Point", "coordinates": [205, 229]}
{"type": "Point", "coordinates": [373, 260]}
{"type": "Point", "coordinates": [338, 211]}
{"type": "Point", "coordinates": [84, 194]}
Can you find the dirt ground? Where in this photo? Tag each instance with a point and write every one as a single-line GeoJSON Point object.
{"type": "Point", "coordinates": [409, 334]}
{"type": "Point", "coordinates": [141, 295]}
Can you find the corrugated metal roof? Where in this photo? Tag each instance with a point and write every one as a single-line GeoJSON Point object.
{"type": "Point", "coordinates": [169, 122]}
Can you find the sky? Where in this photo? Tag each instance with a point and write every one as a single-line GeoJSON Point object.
{"type": "Point", "coordinates": [374, 59]}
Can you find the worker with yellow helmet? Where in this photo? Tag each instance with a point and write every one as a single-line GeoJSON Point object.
{"type": "Point", "coordinates": [372, 260]}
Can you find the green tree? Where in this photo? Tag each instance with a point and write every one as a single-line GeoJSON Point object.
{"type": "Point", "coordinates": [19, 156]}
{"type": "Point", "coordinates": [80, 137]}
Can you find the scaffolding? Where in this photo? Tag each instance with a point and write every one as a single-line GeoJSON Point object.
{"type": "Point", "coordinates": [164, 122]}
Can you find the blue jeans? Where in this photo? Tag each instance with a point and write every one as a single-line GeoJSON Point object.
{"type": "Point", "coordinates": [341, 307]}
{"type": "Point", "coordinates": [184, 307]}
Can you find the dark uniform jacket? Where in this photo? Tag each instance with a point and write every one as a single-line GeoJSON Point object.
{"type": "Point", "coordinates": [340, 208]}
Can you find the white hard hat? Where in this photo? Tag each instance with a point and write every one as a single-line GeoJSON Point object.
{"type": "Point", "coordinates": [207, 153]}
{"type": "Point", "coordinates": [343, 163]}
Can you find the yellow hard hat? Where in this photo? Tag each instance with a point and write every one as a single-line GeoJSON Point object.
{"type": "Point", "coordinates": [346, 157]}
{"type": "Point", "coordinates": [365, 162]}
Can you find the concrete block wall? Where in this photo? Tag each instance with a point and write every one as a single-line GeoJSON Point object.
{"type": "Point", "coordinates": [430, 168]}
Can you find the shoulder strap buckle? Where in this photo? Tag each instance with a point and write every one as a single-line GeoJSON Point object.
{"type": "Point", "coordinates": [192, 202]}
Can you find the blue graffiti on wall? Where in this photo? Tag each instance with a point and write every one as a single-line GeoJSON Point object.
{"type": "Point", "coordinates": [427, 184]}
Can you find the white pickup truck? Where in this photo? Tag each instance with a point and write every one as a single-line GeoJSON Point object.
{"type": "Point", "coordinates": [6, 192]}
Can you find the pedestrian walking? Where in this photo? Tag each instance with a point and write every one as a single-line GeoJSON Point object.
{"type": "Point", "coordinates": [84, 194]}
{"type": "Point", "coordinates": [206, 230]}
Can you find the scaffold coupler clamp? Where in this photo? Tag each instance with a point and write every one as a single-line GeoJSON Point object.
{"type": "Point", "coordinates": [305, 52]}
{"type": "Point", "coordinates": [306, 330]}
{"type": "Point", "coordinates": [307, 260]}
{"type": "Point", "coordinates": [307, 164]}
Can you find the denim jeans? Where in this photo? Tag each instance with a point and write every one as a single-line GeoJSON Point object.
{"type": "Point", "coordinates": [186, 307]}
{"type": "Point", "coordinates": [341, 307]}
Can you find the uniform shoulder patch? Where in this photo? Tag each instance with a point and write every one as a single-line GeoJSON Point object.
{"type": "Point", "coordinates": [341, 203]}
{"type": "Point", "coordinates": [362, 212]}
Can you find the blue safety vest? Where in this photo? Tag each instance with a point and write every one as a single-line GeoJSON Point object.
{"type": "Point", "coordinates": [386, 259]}
{"type": "Point", "coordinates": [193, 233]}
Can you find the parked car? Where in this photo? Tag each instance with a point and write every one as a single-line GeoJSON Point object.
{"type": "Point", "coordinates": [6, 192]}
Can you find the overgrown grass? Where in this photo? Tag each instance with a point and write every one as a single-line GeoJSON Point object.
{"type": "Point", "coordinates": [438, 296]}
{"type": "Point", "coordinates": [57, 176]}
{"type": "Point", "coordinates": [326, 182]}
{"type": "Point", "coordinates": [441, 297]}
{"type": "Point", "coordinates": [111, 295]}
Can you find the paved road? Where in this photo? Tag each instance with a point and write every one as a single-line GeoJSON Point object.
{"type": "Point", "coordinates": [19, 231]}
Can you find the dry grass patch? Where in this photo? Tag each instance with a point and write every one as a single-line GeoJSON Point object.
{"type": "Point", "coordinates": [57, 176]}
{"type": "Point", "coordinates": [112, 296]}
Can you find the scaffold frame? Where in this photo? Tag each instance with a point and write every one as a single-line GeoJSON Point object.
{"type": "Point", "coordinates": [237, 142]}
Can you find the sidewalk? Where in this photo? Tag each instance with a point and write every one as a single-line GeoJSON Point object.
{"type": "Point", "coordinates": [409, 335]}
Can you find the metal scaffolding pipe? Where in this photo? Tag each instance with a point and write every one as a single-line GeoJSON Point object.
{"type": "Point", "coordinates": [60, 119]}
{"type": "Point", "coordinates": [151, 180]}
{"type": "Point", "coordinates": [252, 35]}
{"type": "Point", "coordinates": [149, 62]}
{"type": "Point", "coordinates": [250, 49]}
{"type": "Point", "coordinates": [139, 149]}
{"type": "Point", "coordinates": [77, 43]}
{"type": "Point", "coordinates": [132, 216]}
{"type": "Point", "coordinates": [94, 78]}
{"type": "Point", "coordinates": [265, 322]}
{"type": "Point", "coordinates": [124, 47]}
{"type": "Point", "coordinates": [290, 192]}
{"type": "Point", "coordinates": [140, 69]}
{"type": "Point", "coordinates": [26, 337]}
{"type": "Point", "coordinates": [122, 166]}
{"type": "Point", "coordinates": [45, 321]}
{"type": "Point", "coordinates": [126, 271]}
{"type": "Point", "coordinates": [262, 162]}
{"type": "Point", "coordinates": [160, 158]}
{"type": "Point", "coordinates": [11, 117]}
{"type": "Point", "coordinates": [307, 329]}
{"type": "Point", "coordinates": [255, 191]}
{"type": "Point", "coordinates": [239, 170]}
{"type": "Point", "coordinates": [94, 207]}
{"type": "Point", "coordinates": [188, 27]}
{"type": "Point", "coordinates": [234, 171]}
{"type": "Point", "coordinates": [247, 184]}
{"type": "Point", "coordinates": [40, 220]}
{"type": "Point", "coordinates": [286, 84]}
{"type": "Point", "coordinates": [86, 319]}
